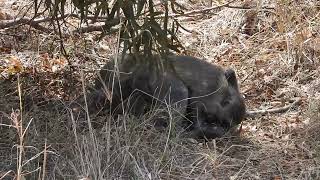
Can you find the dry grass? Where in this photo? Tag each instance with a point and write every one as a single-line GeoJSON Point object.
{"type": "Point", "coordinates": [275, 53]}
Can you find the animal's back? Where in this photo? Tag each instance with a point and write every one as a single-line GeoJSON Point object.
{"type": "Point", "coordinates": [200, 76]}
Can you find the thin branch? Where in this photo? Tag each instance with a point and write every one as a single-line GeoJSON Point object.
{"type": "Point", "coordinates": [24, 20]}
{"type": "Point", "coordinates": [275, 110]}
{"type": "Point", "coordinates": [35, 22]}
{"type": "Point", "coordinates": [198, 11]}
{"type": "Point", "coordinates": [205, 10]}
{"type": "Point", "coordinates": [94, 28]}
{"type": "Point", "coordinates": [248, 8]}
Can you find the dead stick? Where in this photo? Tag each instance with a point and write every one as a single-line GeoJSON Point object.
{"type": "Point", "coordinates": [275, 110]}
{"type": "Point", "coordinates": [32, 22]}
{"type": "Point", "coordinates": [198, 11]}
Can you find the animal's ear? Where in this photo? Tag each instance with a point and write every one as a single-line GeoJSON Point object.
{"type": "Point", "coordinates": [230, 74]}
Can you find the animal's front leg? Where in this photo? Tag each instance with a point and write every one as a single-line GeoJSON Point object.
{"type": "Point", "coordinates": [202, 123]}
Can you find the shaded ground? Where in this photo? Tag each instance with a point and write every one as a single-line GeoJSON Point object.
{"type": "Point", "coordinates": [275, 52]}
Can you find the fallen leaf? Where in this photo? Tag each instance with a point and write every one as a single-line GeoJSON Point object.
{"type": "Point", "coordinates": [14, 65]}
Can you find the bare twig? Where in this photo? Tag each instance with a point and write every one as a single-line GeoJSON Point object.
{"type": "Point", "coordinates": [44, 160]}
{"type": "Point", "coordinates": [205, 10]}
{"type": "Point", "coordinates": [199, 11]}
{"type": "Point", "coordinates": [95, 28]}
{"type": "Point", "coordinates": [8, 23]}
{"type": "Point", "coordinates": [5, 174]}
{"type": "Point", "coordinates": [275, 110]}
{"type": "Point", "coordinates": [248, 8]}
{"type": "Point", "coordinates": [24, 20]}
{"type": "Point", "coordinates": [35, 23]}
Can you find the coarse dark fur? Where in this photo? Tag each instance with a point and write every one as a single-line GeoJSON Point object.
{"type": "Point", "coordinates": [204, 94]}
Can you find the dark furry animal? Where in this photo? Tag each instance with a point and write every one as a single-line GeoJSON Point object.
{"type": "Point", "coordinates": [207, 96]}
